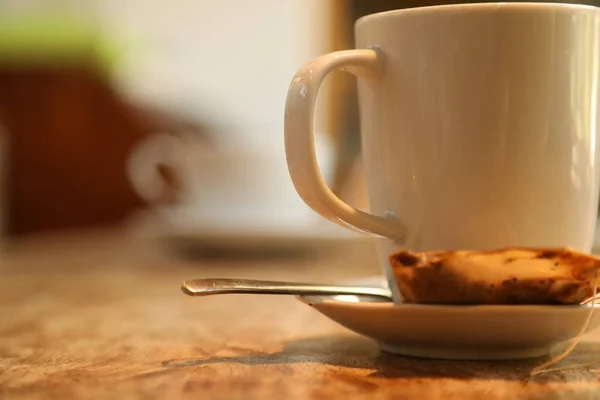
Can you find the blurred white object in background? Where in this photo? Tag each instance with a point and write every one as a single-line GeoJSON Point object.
{"type": "Point", "coordinates": [231, 196]}
{"type": "Point", "coordinates": [231, 181]}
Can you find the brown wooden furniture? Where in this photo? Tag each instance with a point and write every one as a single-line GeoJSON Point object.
{"type": "Point", "coordinates": [70, 134]}
{"type": "Point", "coordinates": [101, 317]}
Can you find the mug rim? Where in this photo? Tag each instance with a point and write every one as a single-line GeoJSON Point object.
{"type": "Point", "coordinates": [476, 7]}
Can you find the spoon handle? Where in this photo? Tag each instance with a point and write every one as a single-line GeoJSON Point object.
{"type": "Point", "coordinates": [207, 287]}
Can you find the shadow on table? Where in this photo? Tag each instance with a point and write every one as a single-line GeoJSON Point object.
{"type": "Point", "coordinates": [350, 351]}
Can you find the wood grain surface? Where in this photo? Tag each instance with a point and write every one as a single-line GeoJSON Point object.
{"type": "Point", "coordinates": [102, 316]}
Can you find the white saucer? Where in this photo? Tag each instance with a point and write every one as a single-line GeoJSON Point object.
{"type": "Point", "coordinates": [458, 332]}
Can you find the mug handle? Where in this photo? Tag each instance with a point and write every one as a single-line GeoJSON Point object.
{"type": "Point", "coordinates": [142, 165]}
{"type": "Point", "coordinates": [299, 141]}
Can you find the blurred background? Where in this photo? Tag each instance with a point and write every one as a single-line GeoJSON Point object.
{"type": "Point", "coordinates": [167, 118]}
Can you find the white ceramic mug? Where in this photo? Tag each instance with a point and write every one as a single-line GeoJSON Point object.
{"type": "Point", "coordinates": [479, 126]}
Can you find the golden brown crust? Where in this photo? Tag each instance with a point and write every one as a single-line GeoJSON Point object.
{"type": "Point", "coordinates": [461, 277]}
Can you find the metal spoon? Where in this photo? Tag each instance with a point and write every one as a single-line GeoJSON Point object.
{"type": "Point", "coordinates": [207, 287]}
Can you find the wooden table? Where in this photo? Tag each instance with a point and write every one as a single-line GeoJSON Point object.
{"type": "Point", "coordinates": [101, 316]}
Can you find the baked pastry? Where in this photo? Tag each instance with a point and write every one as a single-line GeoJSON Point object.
{"type": "Point", "coordinates": [504, 276]}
